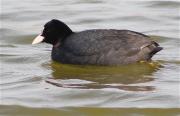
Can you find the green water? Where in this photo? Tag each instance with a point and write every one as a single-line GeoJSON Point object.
{"type": "Point", "coordinates": [88, 111]}
{"type": "Point", "coordinates": [33, 85]}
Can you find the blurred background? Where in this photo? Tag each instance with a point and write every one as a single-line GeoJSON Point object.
{"type": "Point", "coordinates": [32, 84]}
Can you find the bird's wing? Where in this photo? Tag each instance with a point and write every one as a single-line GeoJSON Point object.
{"type": "Point", "coordinates": [94, 44]}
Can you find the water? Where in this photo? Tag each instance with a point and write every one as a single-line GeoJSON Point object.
{"type": "Point", "coordinates": [32, 84]}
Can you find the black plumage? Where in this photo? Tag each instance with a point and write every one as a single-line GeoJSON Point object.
{"type": "Point", "coordinates": [97, 46]}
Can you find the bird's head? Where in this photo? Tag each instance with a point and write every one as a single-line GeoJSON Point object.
{"type": "Point", "coordinates": [53, 32]}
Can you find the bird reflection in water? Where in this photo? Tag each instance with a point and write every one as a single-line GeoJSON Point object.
{"type": "Point", "coordinates": [134, 77]}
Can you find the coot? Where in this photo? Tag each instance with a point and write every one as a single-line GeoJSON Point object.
{"type": "Point", "coordinates": [96, 46]}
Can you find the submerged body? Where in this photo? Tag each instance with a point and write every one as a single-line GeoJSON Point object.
{"type": "Point", "coordinates": [101, 47]}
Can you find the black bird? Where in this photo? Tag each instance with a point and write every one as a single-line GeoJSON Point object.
{"type": "Point", "coordinates": [96, 46]}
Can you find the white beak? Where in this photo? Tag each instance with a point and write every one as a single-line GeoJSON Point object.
{"type": "Point", "coordinates": [38, 39]}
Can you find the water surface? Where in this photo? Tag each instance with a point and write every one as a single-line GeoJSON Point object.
{"type": "Point", "coordinates": [32, 84]}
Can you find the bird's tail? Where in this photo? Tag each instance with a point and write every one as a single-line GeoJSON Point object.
{"type": "Point", "coordinates": [150, 49]}
{"type": "Point", "coordinates": [155, 50]}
